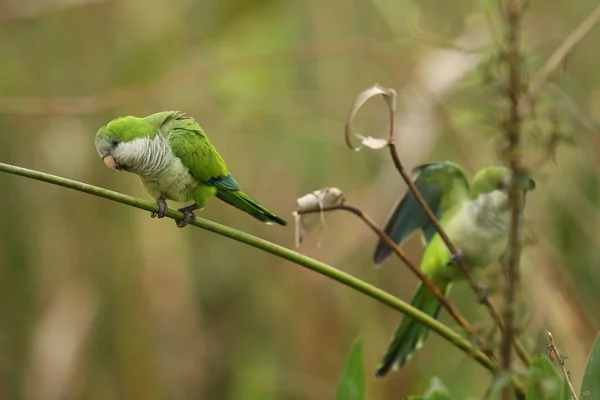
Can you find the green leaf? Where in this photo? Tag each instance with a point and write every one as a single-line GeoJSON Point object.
{"type": "Point", "coordinates": [352, 383]}
{"type": "Point", "coordinates": [591, 376]}
{"type": "Point", "coordinates": [544, 383]}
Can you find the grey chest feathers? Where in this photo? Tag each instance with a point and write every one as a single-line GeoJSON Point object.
{"type": "Point", "coordinates": [161, 172]}
{"type": "Point", "coordinates": [480, 228]}
{"type": "Point", "coordinates": [173, 183]}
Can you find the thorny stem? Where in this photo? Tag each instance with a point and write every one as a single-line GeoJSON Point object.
{"type": "Point", "coordinates": [400, 253]}
{"type": "Point", "coordinates": [275, 249]}
{"type": "Point", "coordinates": [515, 91]}
{"type": "Point", "coordinates": [554, 353]}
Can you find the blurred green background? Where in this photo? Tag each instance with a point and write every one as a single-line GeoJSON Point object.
{"type": "Point", "coordinates": [99, 301]}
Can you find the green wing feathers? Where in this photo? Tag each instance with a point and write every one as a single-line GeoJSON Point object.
{"type": "Point", "coordinates": [411, 334]}
{"type": "Point", "coordinates": [441, 185]}
{"type": "Point", "coordinates": [196, 152]}
{"type": "Point", "coordinates": [189, 142]}
{"type": "Point", "coordinates": [242, 201]}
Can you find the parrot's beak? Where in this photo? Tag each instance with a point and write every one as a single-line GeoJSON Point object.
{"type": "Point", "coordinates": [110, 163]}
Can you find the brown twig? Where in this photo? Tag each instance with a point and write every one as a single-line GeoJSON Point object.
{"type": "Point", "coordinates": [515, 93]}
{"type": "Point", "coordinates": [562, 51]}
{"type": "Point", "coordinates": [400, 253]}
{"type": "Point", "coordinates": [554, 353]}
{"type": "Point", "coordinates": [443, 235]}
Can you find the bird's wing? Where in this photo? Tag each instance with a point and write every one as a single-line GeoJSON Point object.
{"type": "Point", "coordinates": [189, 142]}
{"type": "Point", "coordinates": [442, 185]}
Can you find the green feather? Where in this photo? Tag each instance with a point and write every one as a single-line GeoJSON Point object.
{"type": "Point", "coordinates": [242, 201]}
{"type": "Point", "coordinates": [189, 142]}
{"type": "Point", "coordinates": [442, 185]}
{"type": "Point", "coordinates": [411, 334]}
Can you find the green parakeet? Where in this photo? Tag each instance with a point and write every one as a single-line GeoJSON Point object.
{"type": "Point", "coordinates": [175, 161]}
{"type": "Point", "coordinates": [476, 218]}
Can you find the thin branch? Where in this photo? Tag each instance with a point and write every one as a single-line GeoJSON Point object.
{"type": "Point", "coordinates": [554, 353]}
{"type": "Point", "coordinates": [276, 250]}
{"type": "Point", "coordinates": [567, 103]}
{"type": "Point", "coordinates": [443, 235]}
{"type": "Point", "coordinates": [400, 253]}
{"type": "Point", "coordinates": [514, 9]}
{"type": "Point", "coordinates": [562, 51]}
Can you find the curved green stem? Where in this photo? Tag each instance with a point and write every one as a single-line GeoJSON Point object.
{"type": "Point", "coordinates": [274, 249]}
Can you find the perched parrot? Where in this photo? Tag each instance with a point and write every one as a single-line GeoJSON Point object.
{"type": "Point", "coordinates": [175, 161]}
{"type": "Point", "coordinates": [476, 218]}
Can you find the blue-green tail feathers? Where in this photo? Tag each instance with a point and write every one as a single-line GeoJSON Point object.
{"type": "Point", "coordinates": [242, 201]}
{"type": "Point", "coordinates": [411, 334]}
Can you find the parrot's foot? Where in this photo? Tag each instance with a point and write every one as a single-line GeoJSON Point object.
{"type": "Point", "coordinates": [483, 292]}
{"type": "Point", "coordinates": [188, 215]}
{"type": "Point", "coordinates": [162, 209]}
{"type": "Point", "coordinates": [456, 258]}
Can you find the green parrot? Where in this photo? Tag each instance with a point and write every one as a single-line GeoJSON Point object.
{"type": "Point", "coordinates": [476, 218]}
{"type": "Point", "coordinates": [175, 161]}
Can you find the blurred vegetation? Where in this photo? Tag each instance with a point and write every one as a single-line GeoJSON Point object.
{"type": "Point", "coordinates": [99, 301]}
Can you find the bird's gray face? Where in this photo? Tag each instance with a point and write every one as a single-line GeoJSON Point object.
{"type": "Point", "coordinates": [107, 147]}
{"type": "Point", "coordinates": [504, 186]}
{"type": "Point", "coordinates": [503, 183]}
{"type": "Point", "coordinates": [526, 183]}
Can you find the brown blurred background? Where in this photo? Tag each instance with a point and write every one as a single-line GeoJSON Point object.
{"type": "Point", "coordinates": [99, 301]}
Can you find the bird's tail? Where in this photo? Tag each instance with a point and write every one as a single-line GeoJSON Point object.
{"type": "Point", "coordinates": [241, 200]}
{"type": "Point", "coordinates": [411, 334]}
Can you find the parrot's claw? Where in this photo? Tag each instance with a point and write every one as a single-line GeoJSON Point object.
{"type": "Point", "coordinates": [188, 215]}
{"type": "Point", "coordinates": [162, 209]}
{"type": "Point", "coordinates": [456, 258]}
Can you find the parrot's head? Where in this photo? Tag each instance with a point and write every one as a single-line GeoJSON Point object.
{"type": "Point", "coordinates": [118, 143]}
{"type": "Point", "coordinates": [496, 181]}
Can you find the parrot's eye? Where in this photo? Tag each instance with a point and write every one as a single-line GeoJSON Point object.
{"type": "Point", "coordinates": [115, 142]}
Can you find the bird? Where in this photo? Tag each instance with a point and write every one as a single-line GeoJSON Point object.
{"type": "Point", "coordinates": [175, 161]}
{"type": "Point", "coordinates": [476, 218]}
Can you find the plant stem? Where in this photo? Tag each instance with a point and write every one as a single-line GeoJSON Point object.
{"type": "Point", "coordinates": [276, 250]}
{"type": "Point", "coordinates": [513, 135]}
{"type": "Point", "coordinates": [400, 253]}
{"type": "Point", "coordinates": [554, 353]}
